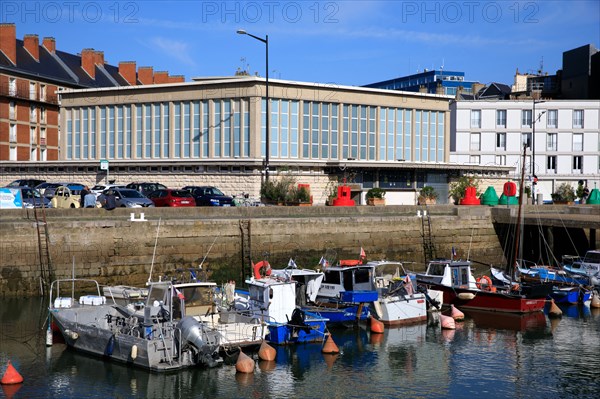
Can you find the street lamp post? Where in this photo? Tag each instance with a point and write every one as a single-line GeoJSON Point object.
{"type": "Point", "coordinates": [268, 127]}
{"type": "Point", "coordinates": [532, 168]}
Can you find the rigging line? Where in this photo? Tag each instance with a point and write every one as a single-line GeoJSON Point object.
{"type": "Point", "coordinates": [154, 252]}
{"type": "Point", "coordinates": [470, 242]}
{"type": "Point", "coordinates": [211, 245]}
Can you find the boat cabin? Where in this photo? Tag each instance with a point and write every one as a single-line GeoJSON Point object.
{"type": "Point", "coordinates": [349, 284]}
{"type": "Point", "coordinates": [449, 273]}
{"type": "Point", "coordinates": [272, 299]}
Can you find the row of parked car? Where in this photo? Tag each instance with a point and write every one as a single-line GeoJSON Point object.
{"type": "Point", "coordinates": [37, 193]}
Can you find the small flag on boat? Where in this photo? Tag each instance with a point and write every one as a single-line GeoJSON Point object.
{"type": "Point", "coordinates": [323, 262]}
{"type": "Point", "coordinates": [453, 252]}
{"type": "Point", "coordinates": [292, 264]}
{"type": "Point", "coordinates": [179, 294]}
{"type": "Point", "coordinates": [193, 275]}
{"type": "Point", "coordinates": [408, 285]}
{"type": "Point", "coordinates": [362, 253]}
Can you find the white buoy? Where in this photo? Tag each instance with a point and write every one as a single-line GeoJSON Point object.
{"type": "Point", "coordinates": [49, 336]}
{"type": "Point", "coordinates": [134, 350]}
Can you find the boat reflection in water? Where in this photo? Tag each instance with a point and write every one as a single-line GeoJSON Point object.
{"type": "Point", "coordinates": [535, 321]}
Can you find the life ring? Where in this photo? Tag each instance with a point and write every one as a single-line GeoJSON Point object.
{"type": "Point", "coordinates": [484, 283]}
{"type": "Point", "coordinates": [262, 269]}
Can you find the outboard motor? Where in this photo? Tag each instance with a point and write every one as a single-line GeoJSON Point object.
{"type": "Point", "coordinates": [206, 341]}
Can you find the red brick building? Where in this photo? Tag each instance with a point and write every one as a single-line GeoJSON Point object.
{"type": "Point", "coordinates": [31, 74]}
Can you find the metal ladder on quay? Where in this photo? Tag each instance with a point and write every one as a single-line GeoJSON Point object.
{"type": "Point", "coordinates": [246, 236]}
{"type": "Point", "coordinates": [428, 247]}
{"type": "Point", "coordinates": [46, 272]}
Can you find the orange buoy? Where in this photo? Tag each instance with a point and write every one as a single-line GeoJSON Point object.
{"type": "Point", "coordinates": [11, 376]}
{"type": "Point", "coordinates": [456, 314]}
{"type": "Point", "coordinates": [554, 310]}
{"type": "Point", "coordinates": [376, 326]}
{"type": "Point", "coordinates": [447, 322]}
{"type": "Point", "coordinates": [595, 303]}
{"type": "Point", "coordinates": [244, 363]}
{"type": "Point", "coordinates": [330, 346]}
{"type": "Point", "coordinates": [266, 352]}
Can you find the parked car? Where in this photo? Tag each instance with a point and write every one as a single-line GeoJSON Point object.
{"type": "Point", "coordinates": [25, 183]}
{"type": "Point", "coordinates": [172, 197]}
{"type": "Point", "coordinates": [99, 188]}
{"type": "Point", "coordinates": [145, 187]}
{"type": "Point", "coordinates": [64, 197]}
{"type": "Point", "coordinates": [48, 189]}
{"type": "Point", "coordinates": [33, 199]}
{"type": "Point", "coordinates": [209, 196]}
{"type": "Point", "coordinates": [126, 198]}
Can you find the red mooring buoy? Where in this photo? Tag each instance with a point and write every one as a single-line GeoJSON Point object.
{"type": "Point", "coordinates": [11, 376]}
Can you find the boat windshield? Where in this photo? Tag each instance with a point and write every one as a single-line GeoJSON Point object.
{"type": "Point", "coordinates": [436, 269]}
{"type": "Point", "coordinates": [592, 257]}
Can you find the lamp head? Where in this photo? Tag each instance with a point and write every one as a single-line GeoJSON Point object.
{"type": "Point", "coordinates": [241, 32]}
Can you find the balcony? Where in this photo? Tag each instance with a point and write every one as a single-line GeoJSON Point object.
{"type": "Point", "coordinates": [22, 92]}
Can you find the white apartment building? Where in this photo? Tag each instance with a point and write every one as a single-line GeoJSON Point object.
{"type": "Point", "coordinates": [564, 137]}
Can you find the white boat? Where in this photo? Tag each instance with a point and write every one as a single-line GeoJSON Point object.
{"type": "Point", "coordinates": [398, 301]}
{"type": "Point", "coordinates": [151, 338]}
{"type": "Point", "coordinates": [589, 266]}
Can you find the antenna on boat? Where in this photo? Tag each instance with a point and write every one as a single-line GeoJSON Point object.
{"type": "Point", "coordinates": [154, 252]}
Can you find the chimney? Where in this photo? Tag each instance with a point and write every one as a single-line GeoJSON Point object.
{"type": "Point", "coordinates": [176, 79]}
{"type": "Point", "coordinates": [49, 44]}
{"type": "Point", "coordinates": [32, 45]}
{"type": "Point", "coordinates": [161, 77]}
{"type": "Point", "coordinates": [99, 58]}
{"type": "Point", "coordinates": [146, 75]}
{"type": "Point", "coordinates": [8, 41]}
{"type": "Point", "coordinates": [88, 61]}
{"type": "Point", "coordinates": [127, 71]}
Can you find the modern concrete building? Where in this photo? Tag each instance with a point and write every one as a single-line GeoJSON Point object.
{"type": "Point", "coordinates": [433, 82]}
{"type": "Point", "coordinates": [213, 131]}
{"type": "Point", "coordinates": [564, 137]}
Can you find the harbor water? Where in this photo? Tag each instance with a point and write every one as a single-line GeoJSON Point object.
{"type": "Point", "coordinates": [488, 355]}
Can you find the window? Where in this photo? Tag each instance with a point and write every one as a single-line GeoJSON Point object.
{"type": "Point", "coordinates": [551, 141]}
{"type": "Point", "coordinates": [475, 142]}
{"type": "Point", "coordinates": [32, 113]}
{"type": "Point", "coordinates": [551, 164]}
{"type": "Point", "coordinates": [501, 118]}
{"type": "Point", "coordinates": [526, 117]}
{"type": "Point", "coordinates": [500, 159]}
{"type": "Point", "coordinates": [31, 90]}
{"type": "Point", "coordinates": [501, 141]}
{"type": "Point", "coordinates": [526, 139]}
{"type": "Point", "coordinates": [13, 133]}
{"type": "Point", "coordinates": [578, 118]}
{"type": "Point", "coordinates": [577, 142]}
{"type": "Point", "coordinates": [12, 113]}
{"type": "Point", "coordinates": [43, 136]}
{"type": "Point", "coordinates": [474, 159]}
{"type": "Point", "coordinates": [577, 163]}
{"type": "Point", "coordinates": [12, 154]}
{"type": "Point", "coordinates": [552, 118]}
{"type": "Point", "coordinates": [42, 92]}
{"type": "Point", "coordinates": [42, 115]}
{"type": "Point", "coordinates": [12, 87]}
{"type": "Point", "coordinates": [476, 118]}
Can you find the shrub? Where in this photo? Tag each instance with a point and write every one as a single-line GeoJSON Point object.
{"type": "Point", "coordinates": [429, 192]}
{"type": "Point", "coordinates": [376, 192]}
{"type": "Point", "coordinates": [564, 193]}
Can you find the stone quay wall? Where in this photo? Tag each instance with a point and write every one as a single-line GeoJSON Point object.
{"type": "Point", "coordinates": [111, 248]}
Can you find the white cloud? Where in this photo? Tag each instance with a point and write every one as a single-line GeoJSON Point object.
{"type": "Point", "coordinates": [173, 48]}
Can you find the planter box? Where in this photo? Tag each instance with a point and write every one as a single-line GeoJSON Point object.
{"type": "Point", "coordinates": [376, 201]}
{"type": "Point", "coordinates": [427, 201]}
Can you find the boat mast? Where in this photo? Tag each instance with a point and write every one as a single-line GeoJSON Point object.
{"type": "Point", "coordinates": [511, 266]}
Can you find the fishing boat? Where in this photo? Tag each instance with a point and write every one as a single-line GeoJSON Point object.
{"type": "Point", "coordinates": [272, 299]}
{"type": "Point", "coordinates": [151, 338]}
{"type": "Point", "coordinates": [571, 295]}
{"type": "Point", "coordinates": [589, 266]}
{"type": "Point", "coordinates": [460, 288]}
{"type": "Point", "coordinates": [347, 289]}
{"type": "Point", "coordinates": [398, 301]}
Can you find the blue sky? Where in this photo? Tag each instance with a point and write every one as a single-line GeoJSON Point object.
{"type": "Point", "coordinates": [330, 42]}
